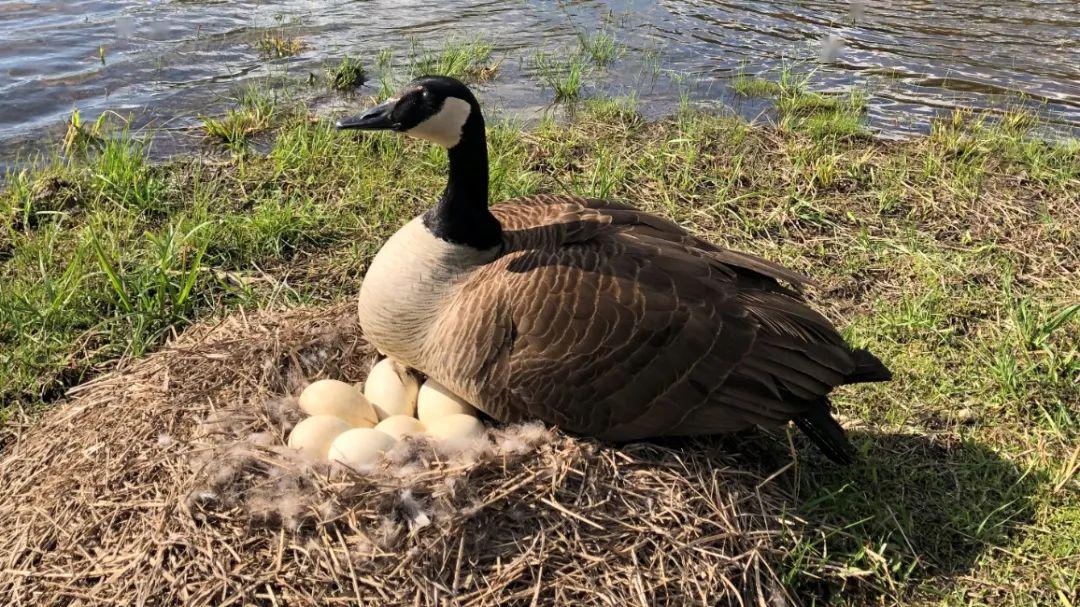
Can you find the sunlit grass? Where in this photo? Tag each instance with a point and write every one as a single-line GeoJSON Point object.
{"type": "Point", "coordinates": [277, 45]}
{"type": "Point", "coordinates": [468, 60]}
{"type": "Point", "coordinates": [251, 115]}
{"type": "Point", "coordinates": [81, 137]}
{"type": "Point", "coordinates": [799, 109]}
{"type": "Point", "coordinates": [388, 81]}
{"type": "Point", "coordinates": [600, 47]}
{"type": "Point", "coordinates": [753, 86]}
{"type": "Point", "coordinates": [613, 110]}
{"type": "Point", "coordinates": [564, 75]}
{"type": "Point", "coordinates": [347, 75]}
{"type": "Point", "coordinates": [565, 72]}
{"type": "Point", "coordinates": [651, 61]}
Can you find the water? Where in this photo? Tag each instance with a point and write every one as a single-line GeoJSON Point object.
{"type": "Point", "coordinates": [168, 61]}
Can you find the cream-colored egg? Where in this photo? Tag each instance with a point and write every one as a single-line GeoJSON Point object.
{"type": "Point", "coordinates": [455, 426]}
{"type": "Point", "coordinates": [391, 390]}
{"type": "Point", "coordinates": [435, 401]}
{"type": "Point", "coordinates": [314, 435]}
{"type": "Point", "coordinates": [400, 425]}
{"type": "Point", "coordinates": [360, 446]}
{"type": "Point", "coordinates": [333, 397]}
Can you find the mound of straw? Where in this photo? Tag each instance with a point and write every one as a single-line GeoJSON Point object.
{"type": "Point", "coordinates": [167, 482]}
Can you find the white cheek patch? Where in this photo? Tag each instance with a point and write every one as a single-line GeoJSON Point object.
{"type": "Point", "coordinates": [445, 127]}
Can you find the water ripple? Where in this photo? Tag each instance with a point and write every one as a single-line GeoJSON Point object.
{"type": "Point", "coordinates": [167, 60]}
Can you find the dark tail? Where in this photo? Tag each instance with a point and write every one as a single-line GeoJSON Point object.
{"type": "Point", "coordinates": [826, 433]}
{"type": "Point", "coordinates": [867, 368]}
{"type": "Point", "coordinates": [818, 423]}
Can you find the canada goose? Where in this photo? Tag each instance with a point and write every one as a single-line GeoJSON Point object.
{"type": "Point", "coordinates": [589, 314]}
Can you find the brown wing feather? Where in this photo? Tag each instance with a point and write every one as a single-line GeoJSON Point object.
{"type": "Point", "coordinates": [615, 323]}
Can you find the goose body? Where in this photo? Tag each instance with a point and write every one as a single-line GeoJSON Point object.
{"type": "Point", "coordinates": [589, 314]}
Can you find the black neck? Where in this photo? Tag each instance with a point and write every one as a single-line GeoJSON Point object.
{"type": "Point", "coordinates": [462, 215]}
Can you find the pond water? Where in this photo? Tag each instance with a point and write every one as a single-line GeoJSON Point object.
{"type": "Point", "coordinates": [164, 62]}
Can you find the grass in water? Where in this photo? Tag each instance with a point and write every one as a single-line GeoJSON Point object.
{"type": "Point", "coordinates": [564, 75]}
{"type": "Point", "coordinates": [753, 86]}
{"type": "Point", "coordinates": [600, 47]}
{"type": "Point", "coordinates": [952, 256]}
{"type": "Point", "coordinates": [347, 75]}
{"type": "Point", "coordinates": [277, 45]}
{"type": "Point", "coordinates": [252, 115]}
{"type": "Point", "coordinates": [468, 60]}
{"type": "Point", "coordinates": [651, 61]}
{"type": "Point", "coordinates": [616, 110]}
{"type": "Point", "coordinates": [822, 115]}
{"type": "Point", "coordinates": [82, 137]}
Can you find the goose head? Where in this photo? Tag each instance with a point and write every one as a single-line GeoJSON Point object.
{"type": "Point", "coordinates": [439, 109]}
{"type": "Point", "coordinates": [442, 110]}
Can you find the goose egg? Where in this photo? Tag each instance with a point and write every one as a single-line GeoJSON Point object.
{"type": "Point", "coordinates": [390, 390]}
{"type": "Point", "coordinates": [400, 425]}
{"type": "Point", "coordinates": [435, 401]}
{"type": "Point", "coordinates": [333, 397]}
{"type": "Point", "coordinates": [455, 426]}
{"type": "Point", "coordinates": [314, 435]}
{"type": "Point", "coordinates": [360, 446]}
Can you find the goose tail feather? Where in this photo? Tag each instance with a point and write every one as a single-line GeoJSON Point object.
{"type": "Point", "coordinates": [826, 433]}
{"type": "Point", "coordinates": [868, 368]}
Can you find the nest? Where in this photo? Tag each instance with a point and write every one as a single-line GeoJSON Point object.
{"type": "Point", "coordinates": [167, 482]}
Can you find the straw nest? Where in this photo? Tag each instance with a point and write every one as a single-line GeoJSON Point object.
{"type": "Point", "coordinates": [167, 482]}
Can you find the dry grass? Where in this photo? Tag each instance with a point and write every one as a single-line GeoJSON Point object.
{"type": "Point", "coordinates": [167, 482]}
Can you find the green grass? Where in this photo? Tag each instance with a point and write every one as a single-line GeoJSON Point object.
{"type": "Point", "coordinates": [251, 115]}
{"type": "Point", "coordinates": [565, 75]}
{"type": "Point", "coordinates": [468, 60]}
{"type": "Point", "coordinates": [277, 45]}
{"type": "Point", "coordinates": [601, 48]}
{"type": "Point", "coordinates": [347, 75]}
{"type": "Point", "coordinates": [565, 72]}
{"type": "Point", "coordinates": [753, 86]}
{"type": "Point", "coordinates": [953, 256]}
{"type": "Point", "coordinates": [823, 116]}
{"type": "Point", "coordinates": [384, 61]}
{"type": "Point", "coordinates": [82, 137]}
{"type": "Point", "coordinates": [613, 110]}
